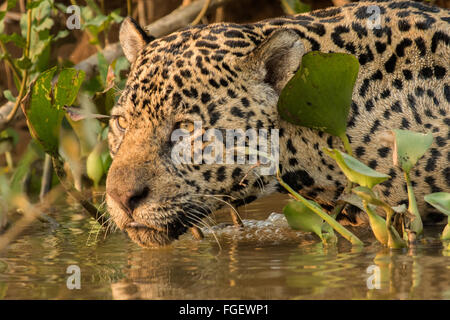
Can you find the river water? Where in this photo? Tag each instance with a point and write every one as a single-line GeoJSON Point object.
{"type": "Point", "coordinates": [265, 260]}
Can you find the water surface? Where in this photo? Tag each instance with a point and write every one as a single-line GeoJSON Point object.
{"type": "Point", "coordinates": [266, 260]}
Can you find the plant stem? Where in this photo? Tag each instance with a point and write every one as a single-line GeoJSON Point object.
{"type": "Point", "coordinates": [9, 160]}
{"type": "Point", "coordinates": [47, 176]}
{"type": "Point", "coordinates": [88, 206]}
{"type": "Point", "coordinates": [416, 223]}
{"type": "Point", "coordinates": [25, 75]}
{"type": "Point", "coordinates": [346, 143]}
{"type": "Point", "coordinates": [129, 8]}
{"type": "Point", "coordinates": [8, 60]}
{"type": "Point", "coordinates": [328, 219]}
{"type": "Point", "coordinates": [201, 13]}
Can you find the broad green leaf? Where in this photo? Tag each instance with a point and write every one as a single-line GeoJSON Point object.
{"type": "Point", "coordinates": [320, 93]}
{"type": "Point", "coordinates": [43, 119]}
{"type": "Point", "coordinates": [355, 170]}
{"type": "Point", "coordinates": [66, 91]}
{"type": "Point", "coordinates": [43, 107]}
{"type": "Point", "coordinates": [409, 147]}
{"type": "Point", "coordinates": [439, 200]}
{"type": "Point", "coordinates": [300, 217]}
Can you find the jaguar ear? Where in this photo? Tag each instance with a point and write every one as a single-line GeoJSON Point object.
{"type": "Point", "coordinates": [132, 38]}
{"type": "Point", "coordinates": [276, 59]}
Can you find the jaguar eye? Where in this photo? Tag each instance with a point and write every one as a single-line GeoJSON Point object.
{"type": "Point", "coordinates": [121, 123]}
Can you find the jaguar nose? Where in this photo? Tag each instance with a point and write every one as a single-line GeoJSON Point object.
{"type": "Point", "coordinates": [130, 199]}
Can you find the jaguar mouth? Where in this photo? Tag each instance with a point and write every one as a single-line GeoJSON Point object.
{"type": "Point", "coordinates": [150, 237]}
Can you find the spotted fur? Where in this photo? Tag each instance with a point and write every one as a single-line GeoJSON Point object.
{"type": "Point", "coordinates": [230, 76]}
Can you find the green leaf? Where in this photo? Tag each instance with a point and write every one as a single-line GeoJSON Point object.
{"type": "Point", "coordinates": [46, 24]}
{"type": "Point", "coordinates": [24, 63]}
{"type": "Point", "coordinates": [299, 217]}
{"type": "Point", "coordinates": [43, 106]}
{"type": "Point", "coordinates": [17, 39]}
{"type": "Point", "coordinates": [103, 66]}
{"type": "Point", "coordinates": [409, 147]}
{"type": "Point", "coordinates": [9, 96]}
{"type": "Point", "coordinates": [355, 170]}
{"type": "Point", "coordinates": [439, 200]}
{"type": "Point", "coordinates": [69, 82]}
{"type": "Point", "coordinates": [320, 93]}
{"type": "Point", "coordinates": [34, 4]}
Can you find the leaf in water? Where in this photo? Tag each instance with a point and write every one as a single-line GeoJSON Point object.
{"type": "Point", "coordinates": [355, 170]}
{"type": "Point", "coordinates": [319, 95]}
{"type": "Point", "coordinates": [409, 147]}
{"type": "Point", "coordinates": [300, 217]}
{"type": "Point", "coordinates": [439, 200]}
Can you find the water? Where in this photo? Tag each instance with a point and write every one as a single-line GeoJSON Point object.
{"type": "Point", "coordinates": [264, 261]}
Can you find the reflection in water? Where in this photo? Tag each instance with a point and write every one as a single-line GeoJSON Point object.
{"type": "Point", "coordinates": [266, 260]}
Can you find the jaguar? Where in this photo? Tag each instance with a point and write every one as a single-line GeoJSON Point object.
{"type": "Point", "coordinates": [229, 76]}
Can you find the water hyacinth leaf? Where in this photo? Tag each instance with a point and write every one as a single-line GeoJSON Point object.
{"type": "Point", "coordinates": [409, 147]}
{"type": "Point", "coordinates": [439, 200]}
{"type": "Point", "coordinates": [320, 93]}
{"type": "Point", "coordinates": [355, 170]}
{"type": "Point", "coordinates": [300, 217]}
